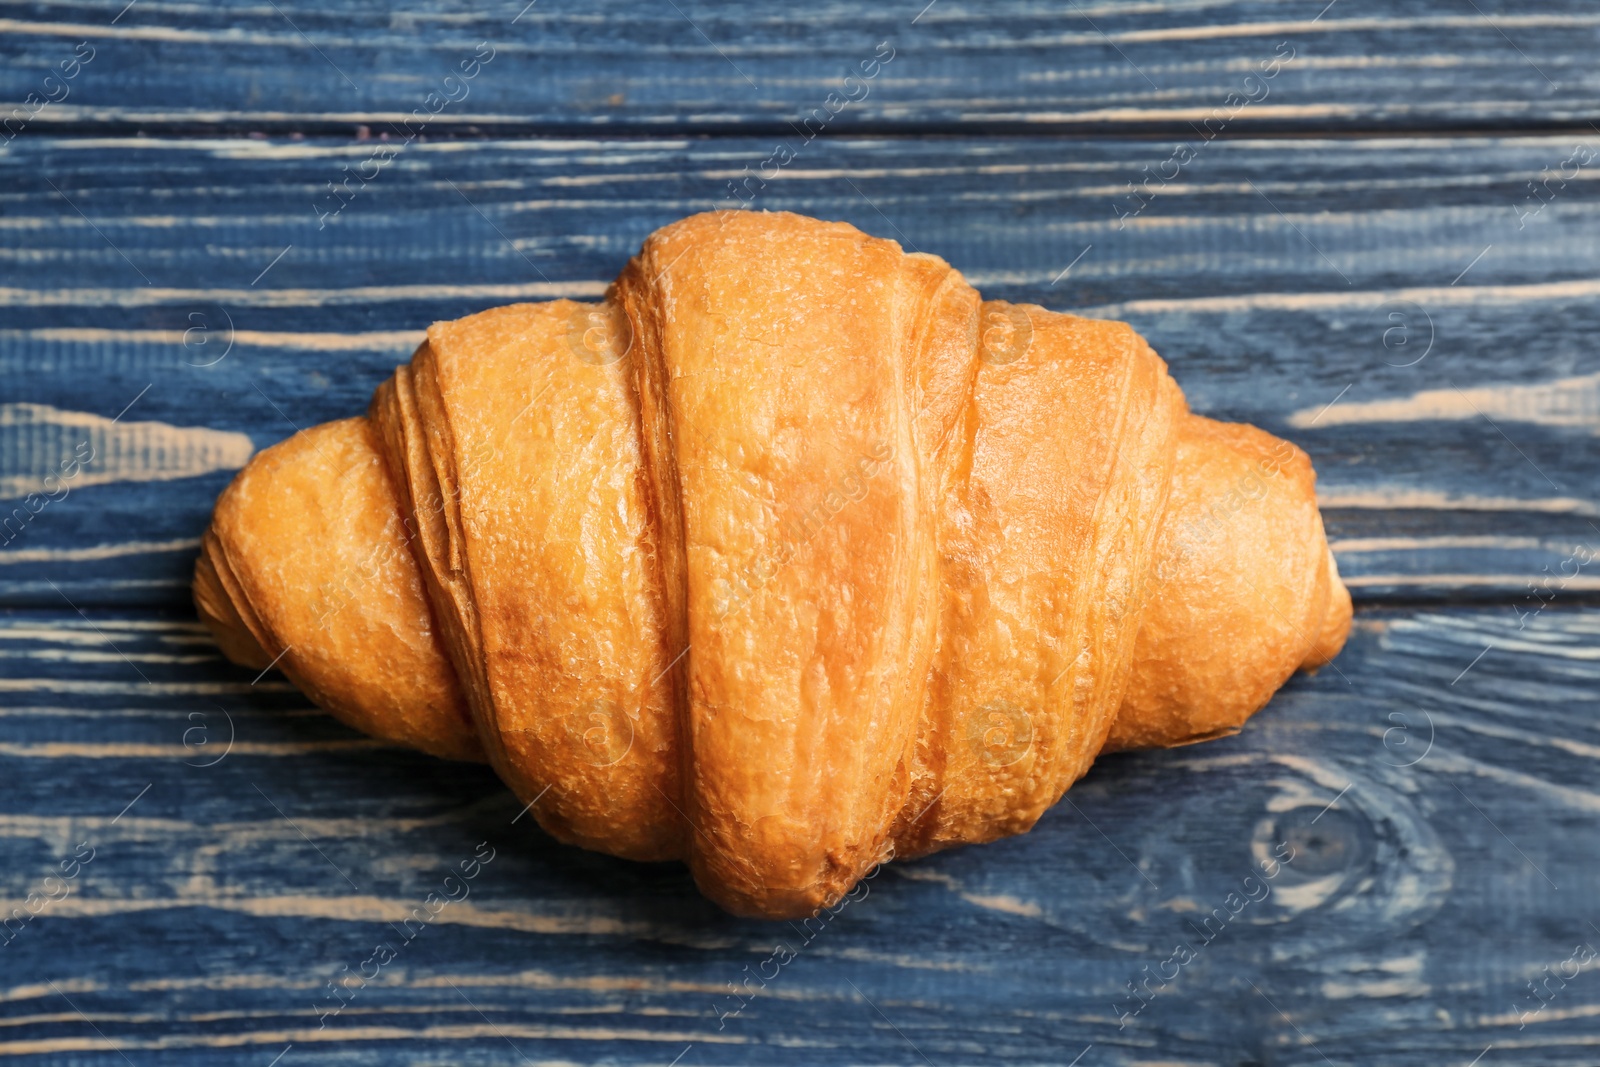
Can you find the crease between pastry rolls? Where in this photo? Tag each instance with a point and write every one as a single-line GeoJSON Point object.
{"type": "Point", "coordinates": [791, 555]}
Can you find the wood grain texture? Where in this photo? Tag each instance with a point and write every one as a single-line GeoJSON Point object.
{"type": "Point", "coordinates": [692, 65]}
{"type": "Point", "coordinates": [1417, 313]}
{"type": "Point", "coordinates": [1443, 827]}
{"type": "Point", "coordinates": [1411, 285]}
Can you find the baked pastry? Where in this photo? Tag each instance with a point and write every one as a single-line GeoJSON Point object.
{"type": "Point", "coordinates": [791, 555]}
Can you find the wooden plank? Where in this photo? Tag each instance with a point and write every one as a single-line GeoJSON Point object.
{"type": "Point", "coordinates": [951, 64]}
{"type": "Point", "coordinates": [1440, 803]}
{"type": "Point", "coordinates": [1406, 311]}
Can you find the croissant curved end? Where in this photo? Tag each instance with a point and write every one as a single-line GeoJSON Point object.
{"type": "Point", "coordinates": [306, 567]}
{"type": "Point", "coordinates": [790, 556]}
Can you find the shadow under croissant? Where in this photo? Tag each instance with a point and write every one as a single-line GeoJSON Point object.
{"type": "Point", "coordinates": [525, 553]}
{"type": "Point", "coordinates": [423, 812]}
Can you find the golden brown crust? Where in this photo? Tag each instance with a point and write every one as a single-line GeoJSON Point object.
{"type": "Point", "coordinates": [1242, 586]}
{"type": "Point", "coordinates": [789, 556]}
{"type": "Point", "coordinates": [791, 439]}
{"type": "Point", "coordinates": [307, 565]}
{"type": "Point", "coordinates": [553, 581]}
{"type": "Point", "coordinates": [1044, 545]}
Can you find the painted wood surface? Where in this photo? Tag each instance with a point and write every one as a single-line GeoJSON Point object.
{"type": "Point", "coordinates": [1440, 807]}
{"type": "Point", "coordinates": [1402, 279]}
{"type": "Point", "coordinates": [1407, 311]}
{"type": "Point", "coordinates": [692, 65]}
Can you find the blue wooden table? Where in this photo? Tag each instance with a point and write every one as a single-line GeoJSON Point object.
{"type": "Point", "coordinates": [1373, 228]}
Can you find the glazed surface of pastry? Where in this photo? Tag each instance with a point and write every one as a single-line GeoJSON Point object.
{"type": "Point", "coordinates": [790, 556]}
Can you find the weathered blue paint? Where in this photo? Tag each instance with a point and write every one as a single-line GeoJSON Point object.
{"type": "Point", "coordinates": [1443, 835]}
{"type": "Point", "coordinates": [1276, 277]}
{"type": "Point", "coordinates": [1417, 313]}
{"type": "Point", "coordinates": [697, 66]}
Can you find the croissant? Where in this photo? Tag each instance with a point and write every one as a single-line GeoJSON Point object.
{"type": "Point", "coordinates": [790, 556]}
